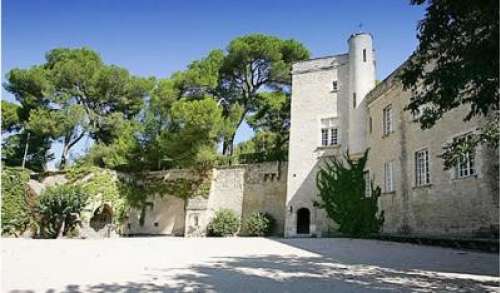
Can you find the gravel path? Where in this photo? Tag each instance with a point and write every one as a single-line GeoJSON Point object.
{"type": "Point", "coordinates": [241, 265]}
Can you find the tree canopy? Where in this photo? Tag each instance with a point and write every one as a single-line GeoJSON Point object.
{"type": "Point", "coordinates": [456, 63]}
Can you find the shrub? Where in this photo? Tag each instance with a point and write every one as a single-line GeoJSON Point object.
{"type": "Point", "coordinates": [16, 212]}
{"type": "Point", "coordinates": [341, 185]}
{"type": "Point", "coordinates": [59, 209]}
{"type": "Point", "coordinates": [224, 223]}
{"type": "Point", "coordinates": [259, 224]}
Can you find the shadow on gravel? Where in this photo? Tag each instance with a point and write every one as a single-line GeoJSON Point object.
{"type": "Point", "coordinates": [343, 269]}
{"type": "Point", "coordinates": [398, 255]}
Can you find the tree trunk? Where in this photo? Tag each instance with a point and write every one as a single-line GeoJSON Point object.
{"type": "Point", "coordinates": [60, 233]}
{"type": "Point", "coordinates": [68, 144]}
{"type": "Point", "coordinates": [227, 148]}
{"type": "Point", "coordinates": [26, 150]}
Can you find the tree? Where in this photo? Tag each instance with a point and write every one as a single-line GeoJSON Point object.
{"type": "Point", "coordinates": [456, 63]}
{"type": "Point", "coordinates": [256, 62]}
{"type": "Point", "coordinates": [38, 152]}
{"type": "Point", "coordinates": [251, 65]}
{"type": "Point", "coordinates": [10, 117]}
{"type": "Point", "coordinates": [342, 186]}
{"type": "Point", "coordinates": [196, 128]}
{"type": "Point", "coordinates": [271, 120]}
{"type": "Point", "coordinates": [59, 208]}
{"type": "Point", "coordinates": [76, 89]}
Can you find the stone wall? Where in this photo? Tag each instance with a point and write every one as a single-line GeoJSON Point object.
{"type": "Point", "coordinates": [241, 188]}
{"type": "Point", "coordinates": [448, 205]}
{"type": "Point", "coordinates": [265, 191]}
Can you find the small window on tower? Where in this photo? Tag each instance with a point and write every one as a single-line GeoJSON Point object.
{"type": "Point", "coordinates": [364, 55]}
{"type": "Point", "coordinates": [370, 124]}
{"type": "Point", "coordinates": [334, 86]}
{"type": "Point", "coordinates": [354, 100]}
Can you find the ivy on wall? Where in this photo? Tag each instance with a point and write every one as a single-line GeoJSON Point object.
{"type": "Point", "coordinates": [125, 191]}
{"type": "Point", "coordinates": [16, 211]}
{"type": "Point", "coordinates": [139, 187]}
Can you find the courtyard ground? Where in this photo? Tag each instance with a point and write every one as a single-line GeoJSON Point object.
{"type": "Point", "coordinates": [165, 264]}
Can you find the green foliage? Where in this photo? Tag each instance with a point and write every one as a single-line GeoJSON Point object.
{"type": "Point", "coordinates": [74, 94]}
{"type": "Point", "coordinates": [16, 212]}
{"type": "Point", "coordinates": [59, 209]}
{"type": "Point", "coordinates": [259, 224]}
{"type": "Point", "coordinates": [102, 187]}
{"type": "Point", "coordinates": [341, 186]}
{"type": "Point", "coordinates": [456, 63]}
{"type": "Point", "coordinates": [123, 152]}
{"type": "Point", "coordinates": [225, 223]}
{"type": "Point", "coordinates": [13, 147]}
{"type": "Point", "coordinates": [196, 128]}
{"type": "Point", "coordinates": [10, 116]}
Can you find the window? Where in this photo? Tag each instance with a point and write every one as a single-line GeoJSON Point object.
{"type": "Point", "coordinates": [370, 124]}
{"type": "Point", "coordinates": [364, 55]}
{"type": "Point", "coordinates": [422, 173]}
{"type": "Point", "coordinates": [368, 185]}
{"type": "Point", "coordinates": [465, 165]}
{"type": "Point", "coordinates": [354, 100]}
{"type": "Point", "coordinates": [334, 86]}
{"type": "Point", "coordinates": [329, 132]}
{"type": "Point", "coordinates": [387, 120]}
{"type": "Point", "coordinates": [388, 177]}
{"type": "Point", "coordinates": [324, 136]}
{"type": "Point", "coordinates": [333, 136]}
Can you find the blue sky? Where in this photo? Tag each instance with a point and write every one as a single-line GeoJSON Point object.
{"type": "Point", "coordinates": [157, 38]}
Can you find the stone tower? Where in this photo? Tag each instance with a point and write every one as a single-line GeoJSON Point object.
{"type": "Point", "coordinates": [361, 81]}
{"type": "Point", "coordinates": [328, 117]}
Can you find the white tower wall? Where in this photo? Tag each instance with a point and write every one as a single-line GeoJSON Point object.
{"type": "Point", "coordinates": [362, 80]}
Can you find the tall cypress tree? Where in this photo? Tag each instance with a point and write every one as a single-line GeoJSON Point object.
{"type": "Point", "coordinates": [342, 193]}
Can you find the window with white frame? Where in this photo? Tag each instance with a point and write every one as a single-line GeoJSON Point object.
{"type": "Point", "coordinates": [422, 171]}
{"type": "Point", "coordinates": [329, 132]}
{"type": "Point", "coordinates": [368, 185]}
{"type": "Point", "coordinates": [465, 164]}
{"type": "Point", "coordinates": [387, 120]}
{"type": "Point", "coordinates": [388, 176]}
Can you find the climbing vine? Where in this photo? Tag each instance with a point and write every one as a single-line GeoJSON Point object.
{"type": "Point", "coordinates": [16, 210]}
{"type": "Point", "coordinates": [341, 185]}
{"type": "Point", "coordinates": [125, 191]}
{"type": "Point", "coordinates": [139, 187]}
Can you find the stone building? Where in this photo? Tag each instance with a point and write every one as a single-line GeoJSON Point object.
{"type": "Point", "coordinates": [337, 107]}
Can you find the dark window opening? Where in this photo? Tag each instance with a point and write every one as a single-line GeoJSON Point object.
{"type": "Point", "coordinates": [354, 100]}
{"type": "Point", "coordinates": [334, 85]}
{"type": "Point", "coordinates": [364, 55]}
{"type": "Point", "coordinates": [370, 124]}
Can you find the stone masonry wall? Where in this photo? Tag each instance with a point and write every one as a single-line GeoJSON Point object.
{"type": "Point", "coordinates": [448, 205]}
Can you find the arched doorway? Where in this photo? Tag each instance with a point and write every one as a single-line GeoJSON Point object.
{"type": "Point", "coordinates": [102, 217]}
{"type": "Point", "coordinates": [303, 221]}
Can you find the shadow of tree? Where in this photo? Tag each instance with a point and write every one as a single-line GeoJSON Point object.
{"type": "Point", "coordinates": [344, 269]}
{"type": "Point", "coordinates": [271, 273]}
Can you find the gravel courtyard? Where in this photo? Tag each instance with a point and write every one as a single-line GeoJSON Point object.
{"type": "Point", "coordinates": [241, 265]}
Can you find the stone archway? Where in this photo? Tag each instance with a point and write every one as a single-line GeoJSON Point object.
{"type": "Point", "coordinates": [303, 221]}
{"type": "Point", "coordinates": [102, 217]}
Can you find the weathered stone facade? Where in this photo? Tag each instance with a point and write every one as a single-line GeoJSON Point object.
{"type": "Point", "coordinates": [242, 188]}
{"type": "Point", "coordinates": [447, 205]}
{"type": "Point", "coordinates": [338, 93]}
